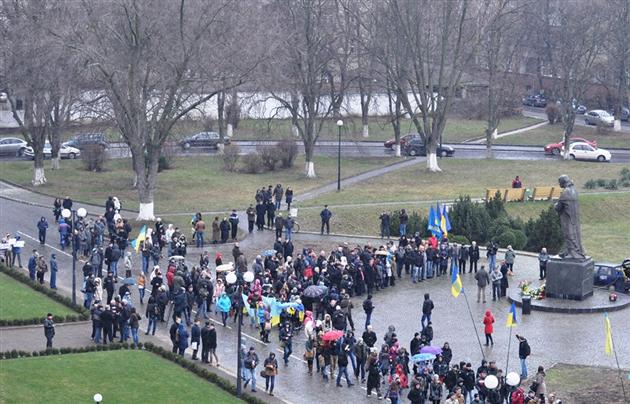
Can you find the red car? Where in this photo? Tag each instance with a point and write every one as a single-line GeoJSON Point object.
{"type": "Point", "coordinates": [403, 141]}
{"type": "Point", "coordinates": [556, 148]}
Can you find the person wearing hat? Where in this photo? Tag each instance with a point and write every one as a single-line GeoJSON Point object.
{"type": "Point", "coordinates": [251, 361]}
{"type": "Point", "coordinates": [49, 330]}
{"type": "Point", "coordinates": [271, 371]}
{"type": "Point", "coordinates": [53, 271]}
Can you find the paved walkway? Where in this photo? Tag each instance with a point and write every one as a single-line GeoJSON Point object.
{"type": "Point", "coordinates": [511, 132]}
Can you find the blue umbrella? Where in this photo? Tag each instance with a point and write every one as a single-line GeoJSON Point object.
{"type": "Point", "coordinates": [422, 357]}
{"type": "Point", "coordinates": [269, 253]}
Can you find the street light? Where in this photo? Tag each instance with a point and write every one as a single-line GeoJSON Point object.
{"type": "Point", "coordinates": [339, 125]}
{"type": "Point", "coordinates": [240, 279]}
{"type": "Point", "coordinates": [67, 214]}
{"type": "Point", "coordinates": [98, 398]}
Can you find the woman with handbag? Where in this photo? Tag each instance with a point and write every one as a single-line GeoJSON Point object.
{"type": "Point", "coordinates": [270, 372]}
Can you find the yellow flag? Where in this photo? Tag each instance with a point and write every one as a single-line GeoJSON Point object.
{"type": "Point", "coordinates": [608, 333]}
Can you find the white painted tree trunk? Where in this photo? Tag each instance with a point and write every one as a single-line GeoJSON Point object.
{"type": "Point", "coordinates": [366, 130]}
{"type": "Point", "coordinates": [617, 125]}
{"type": "Point", "coordinates": [55, 163]}
{"type": "Point", "coordinates": [230, 130]}
{"type": "Point", "coordinates": [295, 131]}
{"type": "Point", "coordinates": [310, 169]}
{"type": "Point", "coordinates": [220, 148]}
{"type": "Point", "coordinates": [432, 163]}
{"type": "Point", "coordinates": [495, 133]}
{"type": "Point", "coordinates": [38, 176]}
{"type": "Point", "coordinates": [397, 150]}
{"type": "Point", "coordinates": [135, 180]}
{"type": "Point", "coordinates": [146, 212]}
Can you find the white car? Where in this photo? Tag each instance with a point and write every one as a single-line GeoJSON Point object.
{"type": "Point", "coordinates": [65, 152]}
{"type": "Point", "coordinates": [584, 151]}
{"type": "Point", "coordinates": [599, 117]}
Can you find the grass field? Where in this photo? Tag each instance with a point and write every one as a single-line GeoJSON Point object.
{"type": "Point", "coordinates": [18, 301]}
{"type": "Point", "coordinates": [119, 376]}
{"type": "Point", "coordinates": [456, 130]}
{"type": "Point", "coordinates": [194, 184]}
{"type": "Point", "coordinates": [586, 384]}
{"type": "Point", "coordinates": [554, 133]}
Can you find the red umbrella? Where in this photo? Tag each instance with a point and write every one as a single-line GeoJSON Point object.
{"type": "Point", "coordinates": [333, 335]}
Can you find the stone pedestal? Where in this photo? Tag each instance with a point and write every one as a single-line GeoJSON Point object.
{"type": "Point", "coordinates": [569, 279]}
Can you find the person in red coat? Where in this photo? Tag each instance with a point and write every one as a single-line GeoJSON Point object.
{"type": "Point", "coordinates": [488, 329]}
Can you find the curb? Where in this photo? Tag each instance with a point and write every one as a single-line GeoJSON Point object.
{"type": "Point", "coordinates": [30, 326]}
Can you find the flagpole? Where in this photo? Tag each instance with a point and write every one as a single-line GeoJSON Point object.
{"type": "Point", "coordinates": [507, 361]}
{"type": "Point", "coordinates": [483, 355]}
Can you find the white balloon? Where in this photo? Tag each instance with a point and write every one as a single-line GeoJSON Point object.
{"type": "Point", "coordinates": [231, 278]}
{"type": "Point", "coordinates": [98, 398]}
{"type": "Point", "coordinates": [491, 382]}
{"type": "Point", "coordinates": [248, 276]}
{"type": "Point", "coordinates": [82, 212]}
{"type": "Point", "coordinates": [512, 379]}
{"type": "Point", "coordinates": [66, 213]}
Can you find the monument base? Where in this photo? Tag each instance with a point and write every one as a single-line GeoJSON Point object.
{"type": "Point", "coordinates": [569, 278]}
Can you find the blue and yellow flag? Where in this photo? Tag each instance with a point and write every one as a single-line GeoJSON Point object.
{"type": "Point", "coordinates": [434, 222]}
{"type": "Point", "coordinates": [445, 224]}
{"type": "Point", "coordinates": [141, 237]}
{"type": "Point", "coordinates": [511, 319]}
{"type": "Point", "coordinates": [456, 281]}
{"type": "Point", "coordinates": [608, 345]}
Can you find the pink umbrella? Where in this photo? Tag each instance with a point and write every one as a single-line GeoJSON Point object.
{"type": "Point", "coordinates": [435, 350]}
{"type": "Point", "coordinates": [333, 335]}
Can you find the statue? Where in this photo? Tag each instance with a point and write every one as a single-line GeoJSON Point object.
{"type": "Point", "coordinates": [569, 211]}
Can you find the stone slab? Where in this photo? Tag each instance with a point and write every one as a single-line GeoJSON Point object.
{"type": "Point", "coordinates": [597, 303]}
{"type": "Point", "coordinates": [569, 279]}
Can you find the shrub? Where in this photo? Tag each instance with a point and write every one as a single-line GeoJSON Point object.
{"type": "Point", "coordinates": [554, 115]}
{"type": "Point", "coordinates": [468, 108]}
{"type": "Point", "coordinates": [230, 156]}
{"type": "Point", "coordinates": [456, 238]}
{"type": "Point", "coordinates": [287, 151]}
{"type": "Point", "coordinates": [269, 157]}
{"type": "Point", "coordinates": [603, 130]}
{"type": "Point", "coordinates": [544, 232]}
{"type": "Point", "coordinates": [495, 206]}
{"type": "Point", "coordinates": [590, 184]}
{"type": "Point", "coordinates": [94, 158]}
{"type": "Point", "coordinates": [415, 224]}
{"type": "Point", "coordinates": [601, 182]}
{"type": "Point", "coordinates": [612, 184]}
{"type": "Point", "coordinates": [625, 173]}
{"type": "Point", "coordinates": [469, 219]}
{"type": "Point", "coordinates": [167, 155]}
{"type": "Point", "coordinates": [252, 163]}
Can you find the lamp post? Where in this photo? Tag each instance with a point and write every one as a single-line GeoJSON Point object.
{"type": "Point", "coordinates": [240, 279]}
{"type": "Point", "coordinates": [339, 125]}
{"type": "Point", "coordinates": [67, 214]}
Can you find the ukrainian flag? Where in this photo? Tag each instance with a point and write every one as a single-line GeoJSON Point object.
{"type": "Point", "coordinates": [141, 237]}
{"type": "Point", "coordinates": [456, 281]}
{"type": "Point", "coordinates": [511, 319]}
{"type": "Point", "coordinates": [445, 224]}
{"type": "Point", "coordinates": [608, 346]}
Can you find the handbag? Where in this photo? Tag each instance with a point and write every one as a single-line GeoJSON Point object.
{"type": "Point", "coordinates": [263, 373]}
{"type": "Point", "coordinates": [267, 326]}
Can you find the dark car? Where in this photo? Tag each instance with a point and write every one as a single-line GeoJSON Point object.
{"type": "Point", "coordinates": [403, 141]}
{"type": "Point", "coordinates": [415, 147]}
{"type": "Point", "coordinates": [607, 274]}
{"type": "Point", "coordinates": [81, 140]}
{"type": "Point", "coordinates": [202, 139]}
{"type": "Point", "coordinates": [535, 101]}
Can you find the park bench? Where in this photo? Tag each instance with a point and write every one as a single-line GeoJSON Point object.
{"type": "Point", "coordinates": [514, 195]}
{"type": "Point", "coordinates": [491, 192]}
{"type": "Point", "coordinates": [546, 193]}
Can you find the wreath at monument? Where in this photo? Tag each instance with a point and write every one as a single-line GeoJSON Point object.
{"type": "Point", "coordinates": [532, 292]}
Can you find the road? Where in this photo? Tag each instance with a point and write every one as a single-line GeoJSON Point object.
{"type": "Point", "coordinates": [539, 113]}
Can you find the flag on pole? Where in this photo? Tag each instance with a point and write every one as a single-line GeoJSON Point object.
{"type": "Point", "coordinates": [456, 281]}
{"type": "Point", "coordinates": [433, 222]}
{"type": "Point", "coordinates": [445, 224]}
{"type": "Point", "coordinates": [511, 319]}
{"type": "Point", "coordinates": [608, 348]}
{"type": "Point", "coordinates": [141, 237]}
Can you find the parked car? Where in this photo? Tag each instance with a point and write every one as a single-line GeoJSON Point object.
{"type": "Point", "coordinates": [625, 114]}
{"type": "Point", "coordinates": [202, 139]}
{"type": "Point", "coordinates": [617, 275]}
{"type": "Point", "coordinates": [584, 151]}
{"type": "Point", "coordinates": [599, 117]}
{"type": "Point", "coordinates": [65, 152]}
{"type": "Point", "coordinates": [556, 148]}
{"type": "Point", "coordinates": [537, 100]}
{"type": "Point", "coordinates": [12, 146]}
{"type": "Point", "coordinates": [415, 147]}
{"type": "Point", "coordinates": [389, 144]}
{"type": "Point", "coordinates": [579, 109]}
{"type": "Point", "coordinates": [81, 140]}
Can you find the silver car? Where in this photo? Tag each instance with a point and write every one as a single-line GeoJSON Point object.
{"type": "Point", "coordinates": [65, 152]}
{"type": "Point", "coordinates": [12, 146]}
{"type": "Point", "coordinates": [599, 117]}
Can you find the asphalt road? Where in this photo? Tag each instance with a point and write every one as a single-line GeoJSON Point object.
{"type": "Point", "coordinates": [534, 112]}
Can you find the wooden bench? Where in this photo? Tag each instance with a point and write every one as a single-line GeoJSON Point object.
{"type": "Point", "coordinates": [491, 192]}
{"type": "Point", "coordinates": [555, 193]}
{"type": "Point", "coordinates": [542, 193]}
{"type": "Point", "coordinates": [514, 195]}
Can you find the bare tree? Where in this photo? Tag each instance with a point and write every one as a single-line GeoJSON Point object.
{"type": "Point", "coordinates": [618, 53]}
{"type": "Point", "coordinates": [157, 61]}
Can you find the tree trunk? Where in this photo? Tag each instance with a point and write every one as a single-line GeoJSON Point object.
{"type": "Point", "coordinates": [295, 130]}
{"type": "Point", "coordinates": [491, 134]}
{"type": "Point", "coordinates": [432, 162]}
{"type": "Point", "coordinates": [617, 125]}
{"type": "Point", "coordinates": [39, 177]}
{"type": "Point", "coordinates": [146, 168]}
{"type": "Point", "coordinates": [397, 150]}
{"type": "Point", "coordinates": [366, 130]}
{"type": "Point", "coordinates": [569, 121]}
{"type": "Point", "coordinates": [221, 114]}
{"type": "Point", "coordinates": [230, 131]}
{"type": "Point", "coordinates": [309, 168]}
{"type": "Point", "coordinates": [55, 162]}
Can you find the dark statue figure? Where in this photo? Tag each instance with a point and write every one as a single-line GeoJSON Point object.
{"type": "Point", "coordinates": [569, 211]}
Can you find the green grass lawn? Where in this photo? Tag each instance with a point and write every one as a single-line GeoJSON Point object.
{"type": "Point", "coordinates": [119, 376]}
{"type": "Point", "coordinates": [19, 301]}
{"type": "Point", "coordinates": [554, 133]}
{"type": "Point", "coordinates": [194, 184]}
{"type": "Point", "coordinates": [456, 130]}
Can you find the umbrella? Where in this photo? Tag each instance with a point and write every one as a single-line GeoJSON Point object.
{"type": "Point", "coordinates": [333, 335]}
{"type": "Point", "coordinates": [226, 267]}
{"type": "Point", "coordinates": [176, 257]}
{"type": "Point", "coordinates": [315, 291]}
{"type": "Point", "coordinates": [422, 357]}
{"type": "Point", "coordinates": [381, 252]}
{"type": "Point", "coordinates": [269, 253]}
{"type": "Point", "coordinates": [435, 350]}
{"type": "Point", "coordinates": [129, 281]}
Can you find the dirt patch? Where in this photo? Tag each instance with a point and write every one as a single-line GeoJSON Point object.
{"type": "Point", "coordinates": [587, 384]}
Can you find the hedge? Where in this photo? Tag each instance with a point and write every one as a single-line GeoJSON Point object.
{"type": "Point", "coordinates": [82, 313]}
{"type": "Point", "coordinates": [148, 346]}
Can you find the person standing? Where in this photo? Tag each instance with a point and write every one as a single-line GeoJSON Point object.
{"type": "Point", "coordinates": [483, 279]}
{"type": "Point", "coordinates": [495, 277]}
{"type": "Point", "coordinates": [463, 258]}
{"type": "Point", "coordinates": [289, 197]}
{"type": "Point", "coordinates": [42, 268]}
{"type": "Point", "coordinates": [510, 257]}
{"type": "Point", "coordinates": [251, 361]}
{"type": "Point", "coordinates": [49, 330]}
{"type": "Point", "coordinates": [368, 308]}
{"type": "Point", "coordinates": [403, 218]}
{"type": "Point", "coordinates": [385, 224]}
{"type": "Point", "coordinates": [152, 313]}
{"type": "Point", "coordinates": [134, 324]}
{"type": "Point", "coordinates": [541, 387]}
{"type": "Point", "coordinates": [251, 218]}
{"type": "Point", "coordinates": [234, 223]}
{"type": "Point", "coordinates": [524, 350]}
{"type": "Point", "coordinates": [325, 215]}
{"type": "Point", "coordinates": [289, 223]}
{"type": "Point", "coordinates": [17, 253]}
{"type": "Point", "coordinates": [53, 271]}
{"type": "Point", "coordinates": [271, 213]}
{"type": "Point", "coordinates": [216, 230]}
{"type": "Point", "coordinates": [491, 255]}
{"type": "Point", "coordinates": [488, 328]}
{"type": "Point", "coordinates": [278, 193]}
{"type": "Point", "coordinates": [342, 362]}
{"type": "Point", "coordinates": [260, 216]}
{"type": "Point", "coordinates": [427, 309]}
{"type": "Point", "coordinates": [543, 258]}
{"type": "Point", "coordinates": [195, 338]}
{"type": "Point", "coordinates": [42, 226]}
{"type": "Point", "coordinates": [200, 230]}
{"type": "Point", "coordinates": [286, 338]}
{"type": "Point", "coordinates": [473, 253]}
{"type": "Point", "coordinates": [271, 371]}
{"type": "Point", "coordinates": [224, 226]}
{"type": "Point", "coordinates": [279, 224]}
{"type": "Point", "coordinates": [182, 338]}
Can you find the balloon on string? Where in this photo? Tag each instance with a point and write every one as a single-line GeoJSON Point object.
{"type": "Point", "coordinates": [512, 379]}
{"type": "Point", "coordinates": [491, 382]}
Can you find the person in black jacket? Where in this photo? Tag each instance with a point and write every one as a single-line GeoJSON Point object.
{"type": "Point", "coordinates": [427, 309]}
{"type": "Point", "coordinates": [416, 394]}
{"type": "Point", "coordinates": [173, 334]}
{"type": "Point", "coordinates": [369, 337]}
{"type": "Point", "coordinates": [463, 258]}
{"type": "Point", "coordinates": [260, 215]}
{"type": "Point", "coordinates": [195, 338]}
{"type": "Point", "coordinates": [368, 308]}
{"type": "Point", "coordinates": [107, 321]}
{"type": "Point", "coordinates": [473, 253]}
{"type": "Point", "coordinates": [524, 351]}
